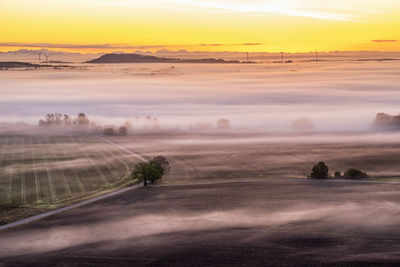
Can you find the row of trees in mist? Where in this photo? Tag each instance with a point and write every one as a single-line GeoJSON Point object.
{"type": "Point", "coordinates": [321, 171]}
{"type": "Point", "coordinates": [58, 119]}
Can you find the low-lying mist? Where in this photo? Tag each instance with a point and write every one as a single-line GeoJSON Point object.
{"type": "Point", "coordinates": [350, 213]}
{"type": "Point", "coordinates": [329, 96]}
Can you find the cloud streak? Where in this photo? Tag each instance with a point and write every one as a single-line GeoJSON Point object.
{"type": "Point", "coordinates": [384, 41]}
{"type": "Point", "coordinates": [113, 46]}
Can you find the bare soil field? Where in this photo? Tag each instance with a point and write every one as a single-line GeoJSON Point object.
{"type": "Point", "coordinates": [274, 222]}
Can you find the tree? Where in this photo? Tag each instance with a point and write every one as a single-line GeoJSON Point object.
{"type": "Point", "coordinates": [82, 119]}
{"type": "Point", "coordinates": [319, 171]}
{"type": "Point", "coordinates": [123, 130]}
{"type": "Point", "coordinates": [161, 164]}
{"type": "Point", "coordinates": [355, 174]}
{"type": "Point", "coordinates": [144, 171]}
{"type": "Point", "coordinates": [108, 131]}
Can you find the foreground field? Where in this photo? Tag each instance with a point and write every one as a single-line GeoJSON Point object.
{"type": "Point", "coordinates": [38, 173]}
{"type": "Point", "coordinates": [276, 222]}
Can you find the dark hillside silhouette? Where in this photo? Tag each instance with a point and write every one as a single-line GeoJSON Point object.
{"type": "Point", "coordinates": [138, 58]}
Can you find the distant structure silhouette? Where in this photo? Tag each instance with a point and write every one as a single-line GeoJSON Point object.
{"type": "Point", "coordinates": [281, 57]}
{"type": "Point", "coordinates": [316, 56]}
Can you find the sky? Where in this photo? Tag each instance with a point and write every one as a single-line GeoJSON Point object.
{"type": "Point", "coordinates": [200, 25]}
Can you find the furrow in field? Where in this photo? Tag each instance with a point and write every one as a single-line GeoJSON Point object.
{"type": "Point", "coordinates": [92, 163]}
{"type": "Point", "coordinates": [103, 161]}
{"type": "Point", "coordinates": [22, 162]}
{"type": "Point", "coordinates": [55, 142]}
{"type": "Point", "coordinates": [3, 178]}
{"type": "Point", "coordinates": [53, 194]}
{"type": "Point", "coordinates": [114, 152]}
{"type": "Point", "coordinates": [36, 179]}
{"type": "Point", "coordinates": [17, 173]}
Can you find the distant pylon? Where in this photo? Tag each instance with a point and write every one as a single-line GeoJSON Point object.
{"type": "Point", "coordinates": [316, 56]}
{"type": "Point", "coordinates": [39, 56]}
{"type": "Point", "coordinates": [281, 57]}
{"type": "Point", "coordinates": [247, 54]}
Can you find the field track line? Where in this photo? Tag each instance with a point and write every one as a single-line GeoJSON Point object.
{"type": "Point", "coordinates": [23, 190]}
{"type": "Point", "coordinates": [12, 160]}
{"type": "Point", "coordinates": [80, 204]}
{"type": "Point", "coordinates": [73, 206]}
{"type": "Point", "coordinates": [124, 149]}
{"type": "Point", "coordinates": [90, 159]}
{"type": "Point", "coordinates": [37, 186]}
{"type": "Point", "coordinates": [61, 169]}
{"type": "Point", "coordinates": [53, 192]}
{"type": "Point", "coordinates": [3, 150]}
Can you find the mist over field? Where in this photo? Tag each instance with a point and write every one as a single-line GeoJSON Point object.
{"type": "Point", "coordinates": [236, 192]}
{"type": "Point", "coordinates": [331, 96]}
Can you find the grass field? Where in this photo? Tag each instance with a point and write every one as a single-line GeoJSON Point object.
{"type": "Point", "coordinates": [45, 172]}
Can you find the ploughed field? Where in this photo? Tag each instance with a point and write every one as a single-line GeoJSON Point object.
{"type": "Point", "coordinates": [42, 172]}
{"type": "Point", "coordinates": [270, 222]}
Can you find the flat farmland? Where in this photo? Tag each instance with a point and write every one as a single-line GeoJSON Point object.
{"type": "Point", "coordinates": [42, 172]}
{"type": "Point", "coordinates": [211, 157]}
{"type": "Point", "coordinates": [271, 222]}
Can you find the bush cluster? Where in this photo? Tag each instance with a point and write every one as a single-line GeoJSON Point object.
{"type": "Point", "coordinates": [321, 171]}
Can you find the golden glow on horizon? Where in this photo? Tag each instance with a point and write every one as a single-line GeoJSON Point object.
{"type": "Point", "coordinates": [210, 25]}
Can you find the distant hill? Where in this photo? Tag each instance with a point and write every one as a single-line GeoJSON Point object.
{"type": "Point", "coordinates": [138, 58]}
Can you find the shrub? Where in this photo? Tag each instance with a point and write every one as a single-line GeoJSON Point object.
{"type": "Point", "coordinates": [143, 171]}
{"type": "Point", "coordinates": [319, 171]}
{"type": "Point", "coordinates": [337, 174]}
{"type": "Point", "coordinates": [355, 173]}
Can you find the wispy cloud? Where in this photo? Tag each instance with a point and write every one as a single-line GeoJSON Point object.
{"type": "Point", "coordinates": [113, 46]}
{"type": "Point", "coordinates": [288, 8]}
{"type": "Point", "coordinates": [384, 41]}
{"type": "Point", "coordinates": [78, 46]}
{"type": "Point", "coordinates": [251, 7]}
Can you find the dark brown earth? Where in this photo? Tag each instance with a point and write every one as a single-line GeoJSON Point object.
{"type": "Point", "coordinates": [273, 222]}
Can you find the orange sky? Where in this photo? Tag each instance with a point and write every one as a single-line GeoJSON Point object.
{"type": "Point", "coordinates": [212, 25]}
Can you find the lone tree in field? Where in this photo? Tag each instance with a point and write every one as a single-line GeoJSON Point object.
{"type": "Point", "coordinates": [146, 172]}
{"type": "Point", "coordinates": [355, 174]}
{"type": "Point", "coordinates": [319, 171]}
{"type": "Point", "coordinates": [161, 164]}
